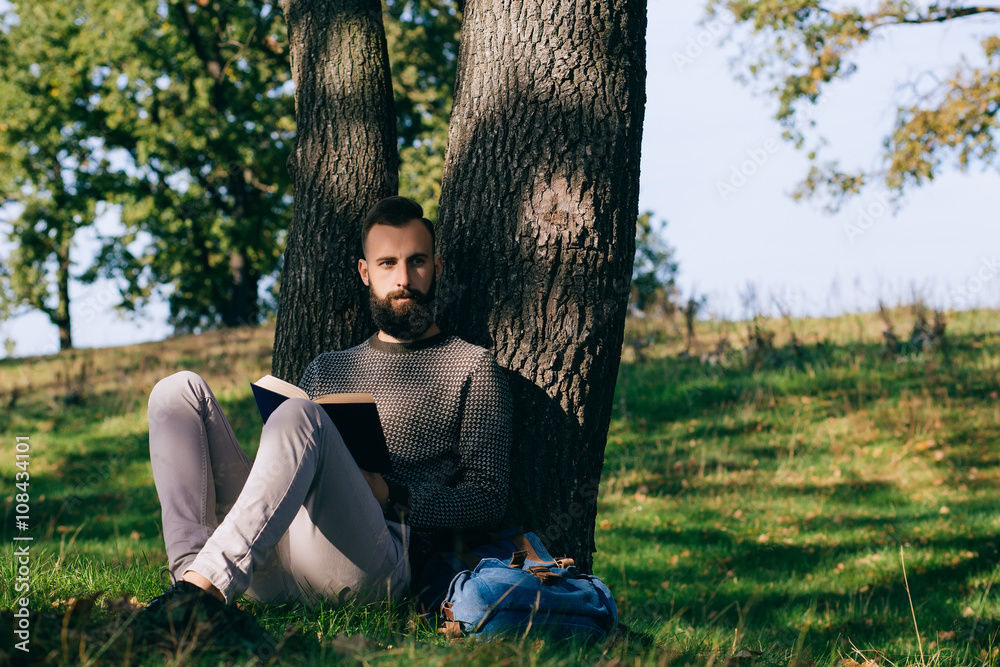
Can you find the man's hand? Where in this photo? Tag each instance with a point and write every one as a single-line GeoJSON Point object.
{"type": "Point", "coordinates": [379, 488]}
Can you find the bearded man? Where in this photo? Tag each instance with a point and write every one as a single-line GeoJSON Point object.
{"type": "Point", "coordinates": [303, 521]}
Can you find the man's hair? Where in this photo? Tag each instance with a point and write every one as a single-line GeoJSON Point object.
{"type": "Point", "coordinates": [395, 212]}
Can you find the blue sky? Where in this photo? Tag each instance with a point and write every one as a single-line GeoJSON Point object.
{"type": "Point", "coordinates": [700, 124]}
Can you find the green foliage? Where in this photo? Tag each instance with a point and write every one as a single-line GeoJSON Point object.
{"type": "Point", "coordinates": [54, 171]}
{"type": "Point", "coordinates": [177, 114]}
{"type": "Point", "coordinates": [654, 270]}
{"type": "Point", "coordinates": [800, 47]}
{"type": "Point", "coordinates": [206, 114]}
{"type": "Point", "coordinates": [423, 49]}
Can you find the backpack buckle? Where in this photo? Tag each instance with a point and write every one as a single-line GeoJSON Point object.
{"type": "Point", "coordinates": [547, 576]}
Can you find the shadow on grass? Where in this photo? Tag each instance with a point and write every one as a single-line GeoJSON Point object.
{"type": "Point", "coordinates": [97, 514]}
{"type": "Point", "coordinates": [788, 587]}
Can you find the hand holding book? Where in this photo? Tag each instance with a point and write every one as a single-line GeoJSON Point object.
{"type": "Point", "coordinates": [379, 488]}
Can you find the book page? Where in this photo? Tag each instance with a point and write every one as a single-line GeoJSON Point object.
{"type": "Point", "coordinates": [279, 386]}
{"type": "Point", "coordinates": [345, 398]}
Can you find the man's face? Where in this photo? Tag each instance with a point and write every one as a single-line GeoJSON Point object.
{"type": "Point", "coordinates": [401, 274]}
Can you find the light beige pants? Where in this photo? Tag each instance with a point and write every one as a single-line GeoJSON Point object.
{"type": "Point", "coordinates": [300, 522]}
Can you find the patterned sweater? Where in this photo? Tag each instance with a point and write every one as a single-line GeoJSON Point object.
{"type": "Point", "coordinates": [445, 408]}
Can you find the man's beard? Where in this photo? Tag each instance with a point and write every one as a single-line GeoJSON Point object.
{"type": "Point", "coordinates": [404, 321]}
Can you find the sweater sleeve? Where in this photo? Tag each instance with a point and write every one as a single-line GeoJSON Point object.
{"type": "Point", "coordinates": [477, 493]}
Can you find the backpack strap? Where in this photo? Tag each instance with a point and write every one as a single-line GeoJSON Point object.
{"type": "Point", "coordinates": [451, 629]}
{"type": "Point", "coordinates": [522, 543]}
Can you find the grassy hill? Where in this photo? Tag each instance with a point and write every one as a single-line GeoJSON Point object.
{"type": "Point", "coordinates": [761, 484]}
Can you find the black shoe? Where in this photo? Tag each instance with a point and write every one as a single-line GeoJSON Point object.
{"type": "Point", "coordinates": [185, 614]}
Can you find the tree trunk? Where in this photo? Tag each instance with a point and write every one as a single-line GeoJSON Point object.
{"type": "Point", "coordinates": [537, 223]}
{"type": "Point", "coordinates": [344, 161]}
{"type": "Point", "coordinates": [241, 305]}
{"type": "Point", "coordinates": [241, 308]}
{"type": "Point", "coordinates": [62, 317]}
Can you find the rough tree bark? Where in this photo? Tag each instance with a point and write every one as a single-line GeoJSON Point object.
{"type": "Point", "coordinates": [344, 161]}
{"type": "Point", "coordinates": [537, 225]}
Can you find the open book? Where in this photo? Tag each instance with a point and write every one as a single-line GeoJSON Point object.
{"type": "Point", "coordinates": [354, 415]}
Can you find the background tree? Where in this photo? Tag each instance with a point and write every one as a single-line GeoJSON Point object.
{"type": "Point", "coordinates": [345, 160]}
{"type": "Point", "coordinates": [178, 114]}
{"type": "Point", "coordinates": [204, 110]}
{"type": "Point", "coordinates": [54, 172]}
{"type": "Point", "coordinates": [799, 47]}
{"type": "Point", "coordinates": [654, 272]}
{"type": "Point", "coordinates": [537, 225]}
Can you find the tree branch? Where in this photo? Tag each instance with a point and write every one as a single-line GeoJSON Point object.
{"type": "Point", "coordinates": [940, 16]}
{"type": "Point", "coordinates": [213, 66]}
{"type": "Point", "coordinates": [242, 48]}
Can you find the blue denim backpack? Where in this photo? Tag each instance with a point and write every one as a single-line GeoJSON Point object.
{"type": "Point", "coordinates": [528, 593]}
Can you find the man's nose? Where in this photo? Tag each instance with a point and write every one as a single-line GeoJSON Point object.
{"type": "Point", "coordinates": [403, 278]}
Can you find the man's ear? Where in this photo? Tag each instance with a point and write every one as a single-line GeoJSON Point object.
{"type": "Point", "coordinates": [438, 265]}
{"type": "Point", "coordinates": [363, 270]}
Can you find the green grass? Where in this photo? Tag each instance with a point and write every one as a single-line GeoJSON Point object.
{"type": "Point", "coordinates": [750, 502]}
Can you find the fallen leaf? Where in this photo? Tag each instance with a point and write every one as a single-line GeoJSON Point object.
{"type": "Point", "coordinates": [81, 607]}
{"type": "Point", "coordinates": [746, 654]}
{"type": "Point", "coordinates": [126, 604]}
